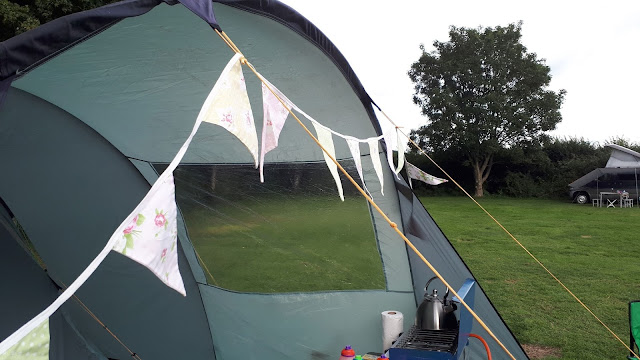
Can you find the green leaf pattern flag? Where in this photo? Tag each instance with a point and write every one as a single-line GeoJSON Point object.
{"type": "Point", "coordinates": [34, 346]}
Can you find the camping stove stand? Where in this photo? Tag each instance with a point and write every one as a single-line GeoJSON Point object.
{"type": "Point", "coordinates": [417, 344]}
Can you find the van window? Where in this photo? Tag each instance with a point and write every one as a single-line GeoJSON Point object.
{"type": "Point", "coordinates": [627, 177]}
{"type": "Point", "coordinates": [608, 181]}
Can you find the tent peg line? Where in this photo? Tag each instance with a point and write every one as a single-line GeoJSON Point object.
{"type": "Point", "coordinates": [230, 43]}
{"type": "Point", "coordinates": [205, 267]}
{"type": "Point", "coordinates": [88, 311]}
{"type": "Point", "coordinates": [513, 237]}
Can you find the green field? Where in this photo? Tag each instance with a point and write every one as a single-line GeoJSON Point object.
{"type": "Point", "coordinates": [593, 251]}
{"type": "Point", "coordinates": [287, 244]}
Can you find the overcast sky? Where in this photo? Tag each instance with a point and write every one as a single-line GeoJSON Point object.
{"type": "Point", "coordinates": [592, 48]}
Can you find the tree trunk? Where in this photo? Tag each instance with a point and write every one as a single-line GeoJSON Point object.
{"type": "Point", "coordinates": [481, 173]}
{"type": "Point", "coordinates": [477, 178]}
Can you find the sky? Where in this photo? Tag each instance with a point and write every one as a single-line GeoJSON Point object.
{"type": "Point", "coordinates": [592, 49]}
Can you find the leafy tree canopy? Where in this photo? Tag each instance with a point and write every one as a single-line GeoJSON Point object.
{"type": "Point", "coordinates": [18, 16]}
{"type": "Point", "coordinates": [482, 92]}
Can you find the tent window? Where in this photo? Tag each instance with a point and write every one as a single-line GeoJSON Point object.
{"type": "Point", "coordinates": [291, 233]}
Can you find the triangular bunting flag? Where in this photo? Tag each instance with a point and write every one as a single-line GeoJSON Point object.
{"type": "Point", "coordinates": [400, 147]}
{"type": "Point", "coordinates": [275, 115]}
{"type": "Point", "coordinates": [413, 172]}
{"type": "Point", "coordinates": [151, 234]}
{"type": "Point", "coordinates": [228, 106]}
{"type": "Point", "coordinates": [325, 139]}
{"type": "Point", "coordinates": [354, 146]}
{"type": "Point", "coordinates": [375, 159]}
{"type": "Point", "coordinates": [390, 136]}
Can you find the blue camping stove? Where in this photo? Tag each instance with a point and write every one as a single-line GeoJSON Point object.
{"type": "Point", "coordinates": [422, 342]}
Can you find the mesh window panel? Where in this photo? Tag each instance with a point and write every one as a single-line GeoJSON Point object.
{"type": "Point", "coordinates": [291, 233]}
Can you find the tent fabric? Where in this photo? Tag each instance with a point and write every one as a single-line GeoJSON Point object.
{"type": "Point", "coordinates": [66, 342]}
{"type": "Point", "coordinates": [55, 144]}
{"type": "Point", "coordinates": [25, 295]}
{"type": "Point", "coordinates": [85, 131]}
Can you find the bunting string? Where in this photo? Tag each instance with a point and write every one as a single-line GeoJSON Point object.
{"type": "Point", "coordinates": [327, 153]}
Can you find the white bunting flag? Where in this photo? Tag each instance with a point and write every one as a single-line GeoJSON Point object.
{"type": "Point", "coordinates": [375, 159]}
{"type": "Point", "coordinates": [151, 234]}
{"type": "Point", "coordinates": [400, 146]}
{"type": "Point", "coordinates": [228, 106]}
{"type": "Point", "coordinates": [413, 172]}
{"type": "Point", "coordinates": [354, 147]}
{"type": "Point", "coordinates": [325, 139]}
{"type": "Point", "coordinates": [275, 114]}
{"type": "Point", "coordinates": [390, 135]}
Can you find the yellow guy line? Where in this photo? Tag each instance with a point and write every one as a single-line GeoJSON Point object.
{"type": "Point", "coordinates": [205, 267]}
{"type": "Point", "coordinates": [370, 200]}
{"type": "Point", "coordinates": [514, 238]}
{"type": "Point", "coordinates": [77, 299]}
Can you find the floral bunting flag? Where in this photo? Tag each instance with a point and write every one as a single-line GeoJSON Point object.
{"type": "Point", "coordinates": [413, 172]}
{"type": "Point", "coordinates": [275, 114]}
{"type": "Point", "coordinates": [354, 147]}
{"type": "Point", "coordinates": [228, 106]}
{"type": "Point", "coordinates": [151, 234]}
{"type": "Point", "coordinates": [325, 138]}
{"type": "Point", "coordinates": [375, 159]}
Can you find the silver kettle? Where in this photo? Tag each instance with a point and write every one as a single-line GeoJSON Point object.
{"type": "Point", "coordinates": [435, 313]}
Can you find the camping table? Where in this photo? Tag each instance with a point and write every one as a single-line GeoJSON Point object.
{"type": "Point", "coordinates": [611, 203]}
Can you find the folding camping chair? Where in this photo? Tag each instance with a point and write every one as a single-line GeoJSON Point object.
{"type": "Point", "coordinates": [634, 327]}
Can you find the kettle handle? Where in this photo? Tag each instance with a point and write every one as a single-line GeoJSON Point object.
{"type": "Point", "coordinates": [426, 288]}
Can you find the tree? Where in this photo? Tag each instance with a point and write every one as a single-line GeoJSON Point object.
{"type": "Point", "coordinates": [18, 16]}
{"type": "Point", "coordinates": [482, 92]}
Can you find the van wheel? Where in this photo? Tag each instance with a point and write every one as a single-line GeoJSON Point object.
{"type": "Point", "coordinates": [582, 198]}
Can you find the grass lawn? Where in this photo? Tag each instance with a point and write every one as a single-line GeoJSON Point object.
{"type": "Point", "coordinates": [286, 244]}
{"type": "Point", "coordinates": [593, 251]}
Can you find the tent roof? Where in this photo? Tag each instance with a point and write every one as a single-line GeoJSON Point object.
{"type": "Point", "coordinates": [28, 50]}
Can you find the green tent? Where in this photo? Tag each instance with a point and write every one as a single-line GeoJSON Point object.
{"type": "Point", "coordinates": [92, 108]}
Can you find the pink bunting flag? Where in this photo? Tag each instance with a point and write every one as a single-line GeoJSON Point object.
{"type": "Point", "coordinates": [275, 114]}
{"type": "Point", "coordinates": [228, 106]}
{"type": "Point", "coordinates": [413, 172]}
